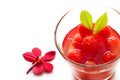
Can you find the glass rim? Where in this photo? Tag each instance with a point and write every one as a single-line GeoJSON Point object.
{"type": "Point", "coordinates": [79, 64]}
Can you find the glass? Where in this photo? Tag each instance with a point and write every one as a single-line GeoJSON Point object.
{"type": "Point", "coordinates": [67, 22]}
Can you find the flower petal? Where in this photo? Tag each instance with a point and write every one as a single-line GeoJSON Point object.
{"type": "Point", "coordinates": [48, 67]}
{"type": "Point", "coordinates": [49, 56]}
{"type": "Point", "coordinates": [36, 52]}
{"type": "Point", "coordinates": [38, 69]}
{"type": "Point", "coordinates": [29, 56]}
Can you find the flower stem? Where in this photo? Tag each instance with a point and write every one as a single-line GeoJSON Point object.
{"type": "Point", "coordinates": [31, 68]}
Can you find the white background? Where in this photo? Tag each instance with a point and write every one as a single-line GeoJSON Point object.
{"type": "Point", "coordinates": [25, 24]}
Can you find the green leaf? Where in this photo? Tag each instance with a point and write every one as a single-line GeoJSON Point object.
{"type": "Point", "coordinates": [86, 19]}
{"type": "Point", "coordinates": [100, 23]}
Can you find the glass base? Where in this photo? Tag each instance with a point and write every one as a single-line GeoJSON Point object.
{"type": "Point", "coordinates": [110, 78]}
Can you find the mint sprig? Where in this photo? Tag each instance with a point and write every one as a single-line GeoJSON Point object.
{"type": "Point", "coordinates": [100, 23]}
{"type": "Point", "coordinates": [86, 20]}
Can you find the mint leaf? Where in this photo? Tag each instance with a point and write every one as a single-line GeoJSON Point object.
{"type": "Point", "coordinates": [100, 23]}
{"type": "Point", "coordinates": [86, 19]}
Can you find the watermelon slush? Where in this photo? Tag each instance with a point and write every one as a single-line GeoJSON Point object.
{"type": "Point", "coordinates": [92, 66]}
{"type": "Point", "coordinates": [91, 56]}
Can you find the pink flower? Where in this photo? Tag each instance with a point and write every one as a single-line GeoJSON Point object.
{"type": "Point", "coordinates": [39, 64]}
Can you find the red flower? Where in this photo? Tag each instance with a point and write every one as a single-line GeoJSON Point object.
{"type": "Point", "coordinates": [40, 64]}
